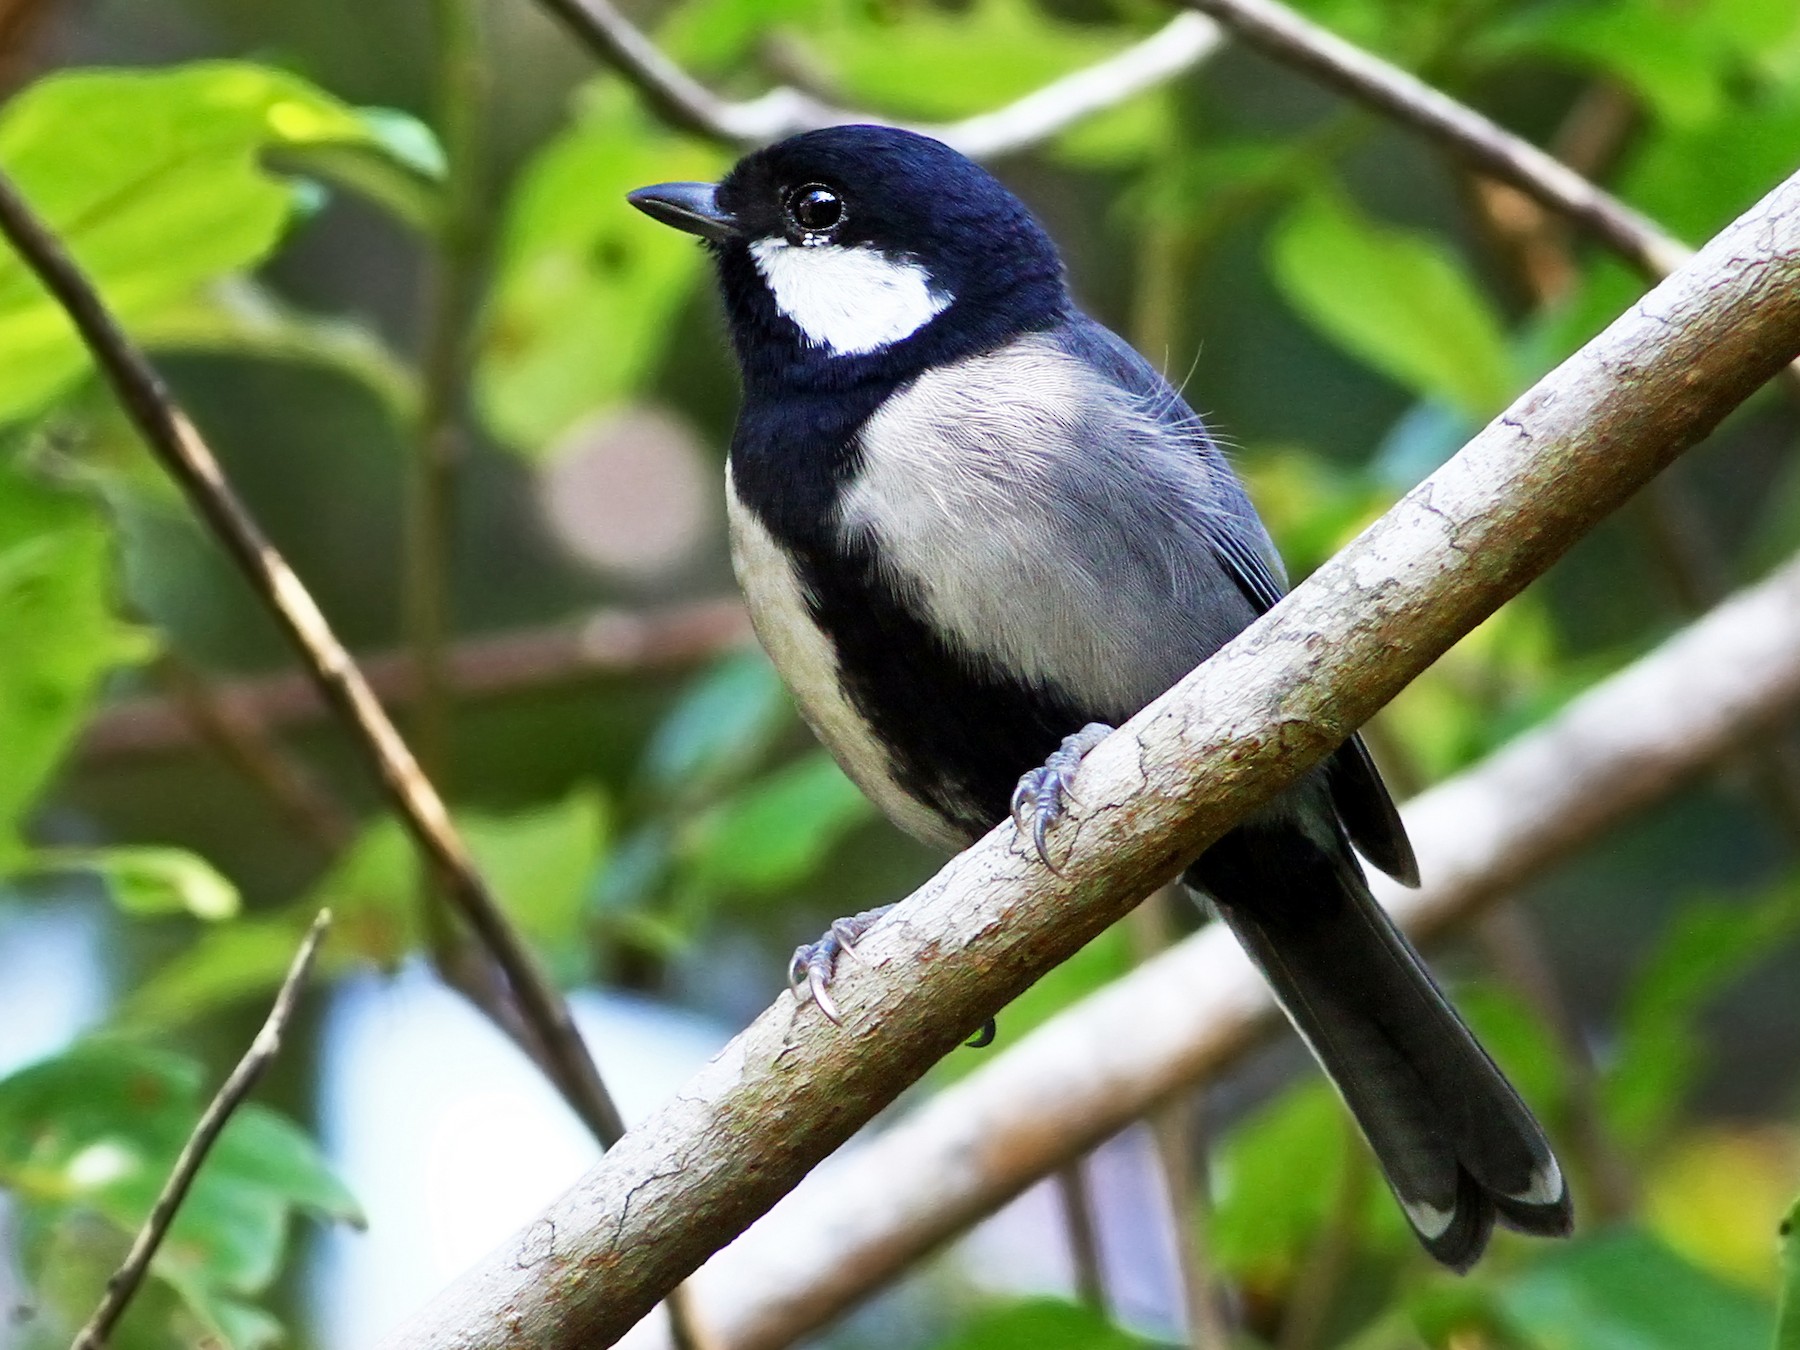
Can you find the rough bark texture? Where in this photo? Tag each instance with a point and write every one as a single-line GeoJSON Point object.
{"type": "Point", "coordinates": [791, 1088]}
{"type": "Point", "coordinates": [1190, 1013]}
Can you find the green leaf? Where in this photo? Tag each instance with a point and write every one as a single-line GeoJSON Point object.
{"type": "Point", "coordinates": [726, 718]}
{"type": "Point", "coordinates": [1623, 1290]}
{"type": "Point", "coordinates": [1041, 1324]}
{"type": "Point", "coordinates": [152, 179]}
{"type": "Point", "coordinates": [1707, 944]}
{"type": "Point", "coordinates": [150, 882]}
{"type": "Point", "coordinates": [223, 966]}
{"type": "Point", "coordinates": [777, 831]}
{"type": "Point", "coordinates": [587, 290]}
{"type": "Point", "coordinates": [1396, 299]}
{"type": "Point", "coordinates": [57, 621]}
{"type": "Point", "coordinates": [1276, 1174]}
{"type": "Point", "coordinates": [1787, 1318]}
{"type": "Point", "coordinates": [97, 1130]}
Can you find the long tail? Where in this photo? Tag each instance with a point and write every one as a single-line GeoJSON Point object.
{"type": "Point", "coordinates": [1458, 1147]}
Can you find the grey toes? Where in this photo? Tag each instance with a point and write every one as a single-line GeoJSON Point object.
{"type": "Point", "coordinates": [1044, 794]}
{"type": "Point", "coordinates": [813, 967]}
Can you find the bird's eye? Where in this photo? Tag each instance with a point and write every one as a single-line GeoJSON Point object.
{"type": "Point", "coordinates": [815, 208]}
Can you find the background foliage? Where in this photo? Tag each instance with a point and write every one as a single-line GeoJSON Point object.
{"type": "Point", "coordinates": [343, 228]}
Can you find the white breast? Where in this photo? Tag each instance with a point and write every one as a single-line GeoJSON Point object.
{"type": "Point", "coordinates": [966, 490]}
{"type": "Point", "coordinates": [848, 300]}
{"type": "Point", "coordinates": [808, 663]}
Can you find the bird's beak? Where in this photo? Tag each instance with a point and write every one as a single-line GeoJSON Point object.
{"type": "Point", "coordinates": [693, 207]}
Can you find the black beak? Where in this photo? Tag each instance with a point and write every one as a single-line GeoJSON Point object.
{"type": "Point", "coordinates": [693, 207]}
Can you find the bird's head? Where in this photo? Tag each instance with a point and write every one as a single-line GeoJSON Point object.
{"type": "Point", "coordinates": [861, 250]}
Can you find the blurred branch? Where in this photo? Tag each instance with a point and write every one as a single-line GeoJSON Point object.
{"type": "Point", "coordinates": [1232, 733]}
{"type": "Point", "coordinates": [681, 100]}
{"type": "Point", "coordinates": [1186, 1017]}
{"type": "Point", "coordinates": [607, 642]}
{"type": "Point", "coordinates": [124, 1284]}
{"type": "Point", "coordinates": [1279, 32]}
{"type": "Point", "coordinates": [176, 442]}
{"type": "Point", "coordinates": [233, 729]}
{"type": "Point", "coordinates": [1083, 1235]}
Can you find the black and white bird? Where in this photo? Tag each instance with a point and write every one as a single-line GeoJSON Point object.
{"type": "Point", "coordinates": [975, 530]}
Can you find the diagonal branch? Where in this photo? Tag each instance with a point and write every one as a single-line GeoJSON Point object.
{"type": "Point", "coordinates": [682, 101]}
{"type": "Point", "coordinates": [1188, 1015]}
{"type": "Point", "coordinates": [175, 441]}
{"type": "Point", "coordinates": [1278, 31]}
{"type": "Point", "coordinates": [124, 1284]}
{"type": "Point", "coordinates": [1246, 723]}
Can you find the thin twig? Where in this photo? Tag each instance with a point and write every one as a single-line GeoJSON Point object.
{"type": "Point", "coordinates": [176, 442]}
{"type": "Point", "coordinates": [684, 102]}
{"type": "Point", "coordinates": [1281, 33]}
{"type": "Point", "coordinates": [123, 1286]}
{"type": "Point", "coordinates": [607, 642]}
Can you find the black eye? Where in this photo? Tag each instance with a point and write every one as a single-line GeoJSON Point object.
{"type": "Point", "coordinates": [815, 207]}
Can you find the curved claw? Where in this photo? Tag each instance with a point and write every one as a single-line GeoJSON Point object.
{"type": "Point", "coordinates": [983, 1038]}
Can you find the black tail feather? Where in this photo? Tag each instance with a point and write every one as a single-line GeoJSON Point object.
{"type": "Point", "coordinates": [1458, 1147]}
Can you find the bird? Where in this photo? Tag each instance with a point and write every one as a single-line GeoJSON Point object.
{"type": "Point", "coordinates": [975, 531]}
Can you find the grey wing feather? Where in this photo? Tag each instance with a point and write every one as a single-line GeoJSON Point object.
{"type": "Point", "coordinates": [1242, 547]}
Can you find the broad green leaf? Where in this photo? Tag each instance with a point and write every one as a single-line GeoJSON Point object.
{"type": "Point", "coordinates": [149, 882]}
{"type": "Point", "coordinates": [58, 625]}
{"type": "Point", "coordinates": [725, 719]}
{"type": "Point", "coordinates": [1397, 299]}
{"type": "Point", "coordinates": [96, 1131]}
{"type": "Point", "coordinates": [153, 181]}
{"type": "Point", "coordinates": [587, 289]}
{"type": "Point", "coordinates": [1787, 1323]}
{"type": "Point", "coordinates": [1709, 943]}
{"type": "Point", "coordinates": [1623, 1290]}
{"type": "Point", "coordinates": [1041, 1324]}
{"type": "Point", "coordinates": [539, 862]}
{"type": "Point", "coordinates": [1280, 1174]}
{"type": "Point", "coordinates": [775, 832]}
{"type": "Point", "coordinates": [220, 967]}
{"type": "Point", "coordinates": [1715, 1192]}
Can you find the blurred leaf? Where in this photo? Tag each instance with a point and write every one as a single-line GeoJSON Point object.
{"type": "Point", "coordinates": [1041, 1324]}
{"type": "Point", "coordinates": [587, 289]}
{"type": "Point", "coordinates": [152, 180]}
{"type": "Point", "coordinates": [1623, 1290]}
{"type": "Point", "coordinates": [56, 607]}
{"type": "Point", "coordinates": [1695, 178]}
{"type": "Point", "coordinates": [1716, 1193]}
{"type": "Point", "coordinates": [1706, 945]}
{"type": "Point", "coordinates": [1311, 506]}
{"type": "Point", "coordinates": [726, 718]}
{"type": "Point", "coordinates": [1397, 299]}
{"type": "Point", "coordinates": [97, 1130]}
{"type": "Point", "coordinates": [223, 966]}
{"type": "Point", "coordinates": [1515, 1035]}
{"type": "Point", "coordinates": [776, 832]}
{"type": "Point", "coordinates": [1277, 1175]}
{"type": "Point", "coordinates": [149, 882]}
{"type": "Point", "coordinates": [1787, 1324]}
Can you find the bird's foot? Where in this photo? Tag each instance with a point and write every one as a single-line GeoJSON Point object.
{"type": "Point", "coordinates": [814, 965]}
{"type": "Point", "coordinates": [1044, 794]}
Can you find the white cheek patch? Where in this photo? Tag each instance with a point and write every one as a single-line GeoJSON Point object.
{"type": "Point", "coordinates": [848, 300]}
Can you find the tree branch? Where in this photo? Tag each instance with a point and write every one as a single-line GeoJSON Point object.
{"type": "Point", "coordinates": [682, 101]}
{"type": "Point", "coordinates": [124, 1284]}
{"type": "Point", "coordinates": [606, 642]}
{"type": "Point", "coordinates": [1279, 32]}
{"type": "Point", "coordinates": [175, 441]}
{"type": "Point", "coordinates": [1246, 723]}
{"type": "Point", "coordinates": [1187, 1016]}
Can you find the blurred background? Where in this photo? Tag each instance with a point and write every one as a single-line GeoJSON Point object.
{"type": "Point", "coordinates": [380, 252]}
